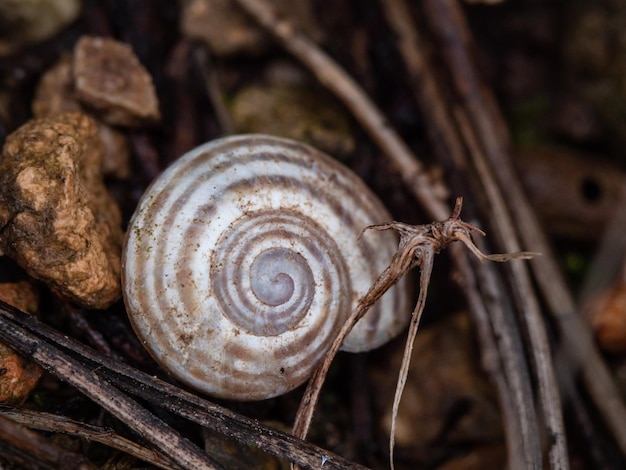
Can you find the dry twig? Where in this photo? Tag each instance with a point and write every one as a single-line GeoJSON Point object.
{"type": "Point", "coordinates": [38, 447]}
{"type": "Point", "coordinates": [61, 424]}
{"type": "Point", "coordinates": [28, 335]}
{"type": "Point", "coordinates": [531, 320]}
{"type": "Point", "coordinates": [447, 21]}
{"type": "Point", "coordinates": [447, 142]}
{"type": "Point", "coordinates": [503, 360]}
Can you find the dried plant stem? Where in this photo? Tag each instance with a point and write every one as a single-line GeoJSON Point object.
{"type": "Point", "coordinates": [443, 135]}
{"type": "Point", "coordinates": [40, 448]}
{"type": "Point", "coordinates": [61, 424]}
{"type": "Point", "coordinates": [448, 22]}
{"type": "Point", "coordinates": [448, 142]}
{"type": "Point", "coordinates": [501, 345]}
{"type": "Point", "coordinates": [311, 395]}
{"type": "Point", "coordinates": [426, 268]}
{"type": "Point", "coordinates": [332, 76]}
{"type": "Point", "coordinates": [418, 245]}
{"type": "Point", "coordinates": [531, 318]}
{"type": "Point", "coordinates": [22, 331]}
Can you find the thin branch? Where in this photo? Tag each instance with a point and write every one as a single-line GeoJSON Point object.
{"type": "Point", "coordinates": [530, 318]}
{"type": "Point", "coordinates": [61, 424]}
{"type": "Point", "coordinates": [14, 325]}
{"type": "Point", "coordinates": [503, 359]}
{"type": "Point", "coordinates": [427, 257]}
{"type": "Point", "coordinates": [431, 98]}
{"type": "Point", "coordinates": [448, 22]}
{"type": "Point", "coordinates": [447, 142]}
{"type": "Point", "coordinates": [443, 135]}
{"type": "Point", "coordinates": [40, 448]}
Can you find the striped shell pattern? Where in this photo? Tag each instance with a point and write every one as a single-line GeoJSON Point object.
{"type": "Point", "coordinates": [243, 259]}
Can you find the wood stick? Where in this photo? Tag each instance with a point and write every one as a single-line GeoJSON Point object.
{"type": "Point", "coordinates": [449, 145]}
{"type": "Point", "coordinates": [15, 325]}
{"type": "Point", "coordinates": [107, 436]}
{"type": "Point", "coordinates": [40, 448]}
{"type": "Point", "coordinates": [530, 313]}
{"type": "Point", "coordinates": [448, 22]}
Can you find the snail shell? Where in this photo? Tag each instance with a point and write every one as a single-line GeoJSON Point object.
{"type": "Point", "coordinates": [243, 259]}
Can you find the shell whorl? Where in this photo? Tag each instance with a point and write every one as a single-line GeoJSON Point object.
{"type": "Point", "coordinates": [242, 261]}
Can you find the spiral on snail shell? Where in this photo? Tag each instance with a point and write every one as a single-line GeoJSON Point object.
{"type": "Point", "coordinates": [243, 259]}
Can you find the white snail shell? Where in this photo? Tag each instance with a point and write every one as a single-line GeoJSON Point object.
{"type": "Point", "coordinates": [242, 261]}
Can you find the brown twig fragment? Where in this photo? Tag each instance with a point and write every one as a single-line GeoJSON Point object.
{"type": "Point", "coordinates": [488, 304]}
{"type": "Point", "coordinates": [37, 446]}
{"type": "Point", "coordinates": [418, 246]}
{"type": "Point", "coordinates": [532, 320]}
{"type": "Point", "coordinates": [24, 333]}
{"type": "Point", "coordinates": [448, 22]}
{"type": "Point", "coordinates": [502, 358]}
{"type": "Point", "coordinates": [107, 436]}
